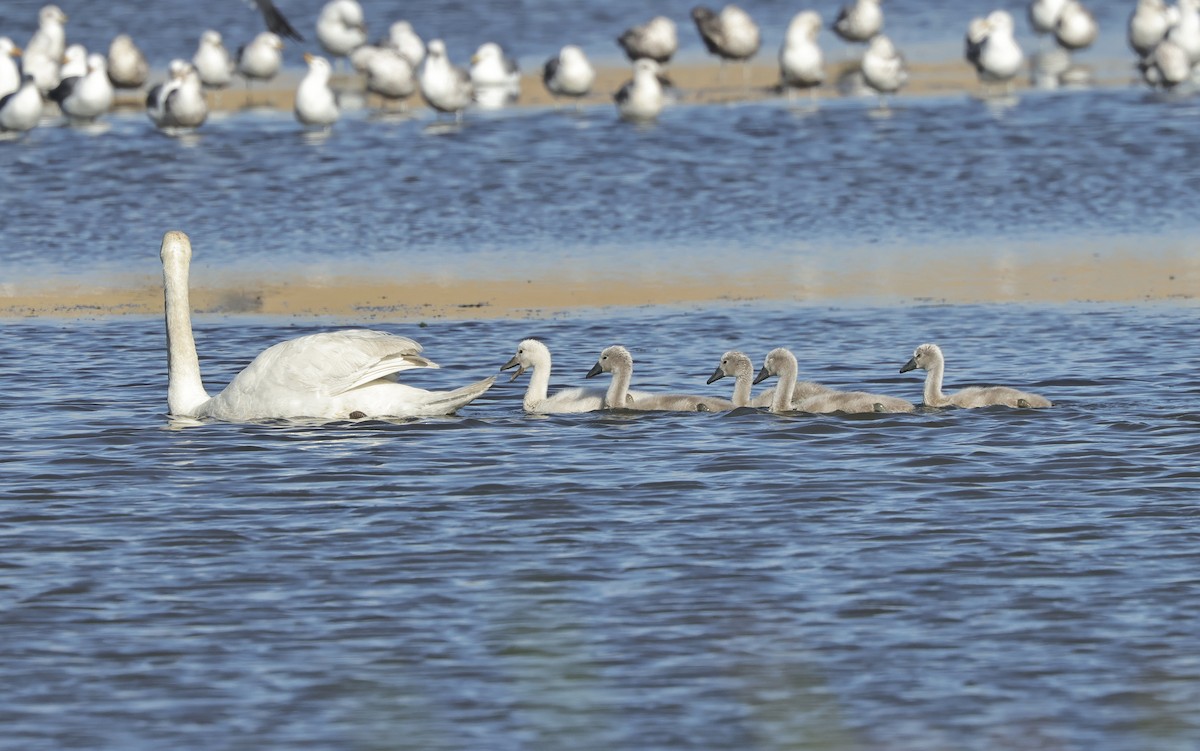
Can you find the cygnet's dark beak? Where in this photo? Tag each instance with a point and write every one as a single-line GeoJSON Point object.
{"type": "Point", "coordinates": [717, 375]}
{"type": "Point", "coordinates": [763, 375]}
{"type": "Point", "coordinates": [910, 365]}
{"type": "Point", "coordinates": [595, 371]}
{"type": "Point", "coordinates": [510, 364]}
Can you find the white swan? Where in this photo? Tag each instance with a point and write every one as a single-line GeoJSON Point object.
{"type": "Point", "coordinates": [929, 358]}
{"type": "Point", "coordinates": [337, 375]}
{"type": "Point", "coordinates": [780, 362]}
{"type": "Point", "coordinates": [737, 364]}
{"type": "Point", "coordinates": [535, 356]}
{"type": "Point", "coordinates": [617, 360]}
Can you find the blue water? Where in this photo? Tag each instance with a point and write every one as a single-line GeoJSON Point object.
{"type": "Point", "coordinates": [983, 580]}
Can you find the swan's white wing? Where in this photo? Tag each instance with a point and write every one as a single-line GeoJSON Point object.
{"type": "Point", "coordinates": [335, 362]}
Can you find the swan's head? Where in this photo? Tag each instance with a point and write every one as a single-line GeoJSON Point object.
{"type": "Point", "coordinates": [733, 363]}
{"type": "Point", "coordinates": [775, 362]}
{"type": "Point", "coordinates": [176, 249]}
{"type": "Point", "coordinates": [614, 358]}
{"type": "Point", "coordinates": [530, 354]}
{"type": "Point", "coordinates": [925, 357]}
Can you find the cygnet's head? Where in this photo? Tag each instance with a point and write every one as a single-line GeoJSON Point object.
{"type": "Point", "coordinates": [925, 357]}
{"type": "Point", "coordinates": [613, 359]}
{"type": "Point", "coordinates": [774, 363]}
{"type": "Point", "coordinates": [530, 353]}
{"type": "Point", "coordinates": [733, 363]}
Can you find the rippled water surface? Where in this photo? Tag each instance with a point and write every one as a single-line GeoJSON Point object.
{"type": "Point", "coordinates": [985, 579]}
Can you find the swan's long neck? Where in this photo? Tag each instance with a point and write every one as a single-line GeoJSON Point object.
{"type": "Point", "coordinates": [539, 384]}
{"type": "Point", "coordinates": [741, 389]}
{"type": "Point", "coordinates": [185, 390]}
{"type": "Point", "coordinates": [618, 390]}
{"type": "Point", "coordinates": [933, 395]}
{"type": "Point", "coordinates": [782, 402]}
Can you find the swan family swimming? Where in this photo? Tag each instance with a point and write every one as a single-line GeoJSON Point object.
{"type": "Point", "coordinates": [353, 374]}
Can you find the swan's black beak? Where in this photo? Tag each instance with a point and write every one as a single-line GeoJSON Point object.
{"type": "Point", "coordinates": [510, 364]}
{"type": "Point", "coordinates": [595, 371]}
{"type": "Point", "coordinates": [910, 365]}
{"type": "Point", "coordinates": [763, 375]}
{"type": "Point", "coordinates": [717, 375]}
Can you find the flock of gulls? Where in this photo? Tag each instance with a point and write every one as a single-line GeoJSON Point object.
{"type": "Point", "coordinates": [47, 71]}
{"type": "Point", "coordinates": [352, 375]}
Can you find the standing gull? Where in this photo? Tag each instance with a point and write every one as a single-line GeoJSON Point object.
{"type": "Point", "coordinates": [389, 74]}
{"type": "Point", "coordinates": [730, 34]}
{"type": "Point", "coordinates": [1148, 25]}
{"type": "Point", "coordinates": [178, 105]}
{"type": "Point", "coordinates": [641, 99]}
{"type": "Point", "coordinates": [84, 98]}
{"type": "Point", "coordinates": [127, 66]}
{"type": "Point", "coordinates": [262, 58]}
{"type": "Point", "coordinates": [10, 71]}
{"type": "Point", "coordinates": [801, 64]}
{"type": "Point", "coordinates": [883, 68]}
{"type": "Point", "coordinates": [212, 61]}
{"type": "Point", "coordinates": [22, 109]}
{"type": "Point", "coordinates": [315, 103]}
{"type": "Point", "coordinates": [404, 40]}
{"type": "Point", "coordinates": [494, 76]}
{"type": "Point", "coordinates": [859, 21]}
{"type": "Point", "coordinates": [993, 50]}
{"type": "Point", "coordinates": [1076, 27]}
{"type": "Point", "coordinates": [657, 39]}
{"type": "Point", "coordinates": [569, 74]}
{"type": "Point", "coordinates": [445, 87]}
{"type": "Point", "coordinates": [45, 50]}
{"type": "Point", "coordinates": [341, 28]}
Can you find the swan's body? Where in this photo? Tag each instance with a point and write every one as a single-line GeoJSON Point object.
{"type": "Point", "coordinates": [445, 87]}
{"type": "Point", "coordinates": [617, 361]}
{"type": "Point", "coordinates": [782, 363]}
{"type": "Point", "coordinates": [737, 364]}
{"type": "Point", "coordinates": [657, 39]}
{"type": "Point", "coordinates": [315, 102]}
{"type": "Point", "coordinates": [212, 60]}
{"type": "Point", "coordinates": [929, 358]}
{"type": "Point", "coordinates": [84, 98]}
{"type": "Point", "coordinates": [801, 63]}
{"type": "Point", "coordinates": [569, 73]}
{"type": "Point", "coordinates": [338, 375]}
{"type": "Point", "coordinates": [534, 356]}
{"type": "Point", "coordinates": [641, 98]}
{"type": "Point", "coordinates": [127, 66]}
{"type": "Point", "coordinates": [860, 21]}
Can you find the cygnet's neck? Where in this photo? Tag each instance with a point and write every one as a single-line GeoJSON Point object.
{"type": "Point", "coordinates": [741, 389]}
{"type": "Point", "coordinates": [618, 390]}
{"type": "Point", "coordinates": [933, 395]}
{"type": "Point", "coordinates": [539, 384]}
{"type": "Point", "coordinates": [782, 402]}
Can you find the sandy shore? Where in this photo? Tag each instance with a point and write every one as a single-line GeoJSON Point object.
{"type": "Point", "coordinates": [695, 82]}
{"type": "Point", "coordinates": [1112, 275]}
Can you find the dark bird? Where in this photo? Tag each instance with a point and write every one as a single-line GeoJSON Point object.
{"type": "Point", "coordinates": [275, 20]}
